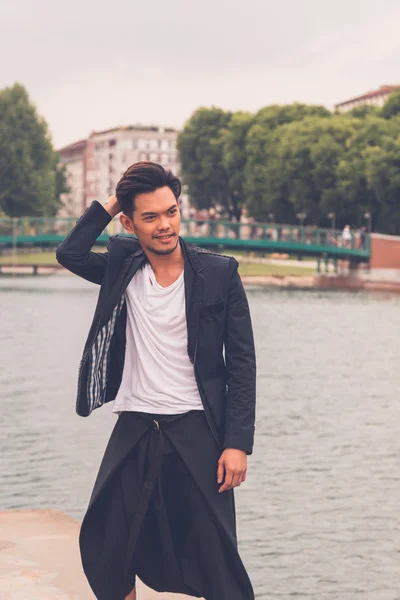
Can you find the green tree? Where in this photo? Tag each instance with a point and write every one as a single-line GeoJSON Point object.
{"type": "Point", "coordinates": [234, 157]}
{"type": "Point", "coordinates": [61, 184]}
{"type": "Point", "coordinates": [391, 108]}
{"type": "Point", "coordinates": [365, 110]}
{"type": "Point", "coordinates": [30, 177]}
{"type": "Point", "coordinates": [297, 158]}
{"type": "Point", "coordinates": [302, 176]}
{"type": "Point", "coordinates": [370, 135]}
{"type": "Point", "coordinates": [382, 169]}
{"type": "Point", "coordinates": [275, 115]}
{"type": "Point", "coordinates": [200, 146]}
{"type": "Point", "coordinates": [265, 188]}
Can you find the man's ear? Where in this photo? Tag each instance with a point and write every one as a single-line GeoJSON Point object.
{"type": "Point", "coordinates": [126, 223]}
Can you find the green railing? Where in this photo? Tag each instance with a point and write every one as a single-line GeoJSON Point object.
{"type": "Point", "coordinates": [267, 237]}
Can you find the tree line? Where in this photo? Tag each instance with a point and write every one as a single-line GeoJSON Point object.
{"type": "Point", "coordinates": [297, 160]}
{"type": "Point", "coordinates": [280, 162]}
{"type": "Point", "coordinates": [31, 176]}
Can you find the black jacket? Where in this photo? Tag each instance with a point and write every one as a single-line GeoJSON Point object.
{"type": "Point", "coordinates": [220, 337]}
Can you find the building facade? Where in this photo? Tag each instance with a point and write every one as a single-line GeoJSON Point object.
{"type": "Point", "coordinates": [372, 98]}
{"type": "Point", "coordinates": [106, 155]}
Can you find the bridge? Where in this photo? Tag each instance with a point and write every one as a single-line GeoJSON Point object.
{"type": "Point", "coordinates": [262, 238]}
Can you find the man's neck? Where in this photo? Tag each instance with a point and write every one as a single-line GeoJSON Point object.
{"type": "Point", "coordinates": [167, 267]}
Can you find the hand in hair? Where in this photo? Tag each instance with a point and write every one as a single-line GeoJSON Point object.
{"type": "Point", "coordinates": [112, 206]}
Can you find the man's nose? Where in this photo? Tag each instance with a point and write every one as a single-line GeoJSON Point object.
{"type": "Point", "coordinates": [163, 223]}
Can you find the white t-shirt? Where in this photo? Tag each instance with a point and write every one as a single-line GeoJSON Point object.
{"type": "Point", "coordinates": [158, 376]}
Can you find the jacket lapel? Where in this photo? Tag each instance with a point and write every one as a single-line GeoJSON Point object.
{"type": "Point", "coordinates": [130, 266]}
{"type": "Point", "coordinates": [194, 288]}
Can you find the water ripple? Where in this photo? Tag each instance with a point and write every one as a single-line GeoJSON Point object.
{"type": "Point", "coordinates": [318, 516]}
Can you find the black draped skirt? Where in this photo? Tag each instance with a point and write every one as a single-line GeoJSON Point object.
{"type": "Point", "coordinates": [155, 512]}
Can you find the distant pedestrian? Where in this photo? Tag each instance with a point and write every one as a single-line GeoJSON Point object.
{"type": "Point", "coordinates": [211, 218]}
{"type": "Point", "coordinates": [253, 228]}
{"type": "Point", "coordinates": [363, 236]}
{"type": "Point", "coordinates": [346, 237]}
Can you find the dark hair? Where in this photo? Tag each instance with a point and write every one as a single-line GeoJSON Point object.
{"type": "Point", "coordinates": [142, 177]}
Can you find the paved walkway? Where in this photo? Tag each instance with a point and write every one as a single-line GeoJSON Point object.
{"type": "Point", "coordinates": [39, 559]}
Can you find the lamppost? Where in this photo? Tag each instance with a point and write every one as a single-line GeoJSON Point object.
{"type": "Point", "coordinates": [275, 232]}
{"type": "Point", "coordinates": [368, 216]}
{"type": "Point", "coordinates": [302, 217]}
{"type": "Point", "coordinates": [332, 217]}
{"type": "Point", "coordinates": [14, 241]}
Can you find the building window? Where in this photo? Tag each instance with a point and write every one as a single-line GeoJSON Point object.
{"type": "Point", "coordinates": [172, 145]}
{"type": "Point", "coordinates": [142, 144]}
{"type": "Point", "coordinates": [153, 144]}
{"type": "Point", "coordinates": [164, 145]}
{"type": "Point", "coordinates": [154, 156]}
{"type": "Point", "coordinates": [164, 159]}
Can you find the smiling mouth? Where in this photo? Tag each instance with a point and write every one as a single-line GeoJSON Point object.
{"type": "Point", "coordinates": [165, 237]}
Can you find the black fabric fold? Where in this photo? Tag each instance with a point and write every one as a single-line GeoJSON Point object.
{"type": "Point", "coordinates": [159, 516]}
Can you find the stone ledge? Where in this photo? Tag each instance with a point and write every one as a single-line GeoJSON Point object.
{"type": "Point", "coordinates": [40, 560]}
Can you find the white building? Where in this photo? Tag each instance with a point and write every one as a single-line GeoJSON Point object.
{"type": "Point", "coordinates": [109, 153]}
{"type": "Point", "coordinates": [106, 155]}
{"type": "Point", "coordinates": [372, 98]}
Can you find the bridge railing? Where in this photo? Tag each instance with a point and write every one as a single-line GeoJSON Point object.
{"type": "Point", "coordinates": [28, 228]}
{"type": "Point", "coordinates": [292, 234]}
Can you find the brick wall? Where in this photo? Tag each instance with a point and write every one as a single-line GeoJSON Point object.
{"type": "Point", "coordinates": [385, 251]}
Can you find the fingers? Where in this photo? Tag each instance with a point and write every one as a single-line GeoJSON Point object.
{"type": "Point", "coordinates": [220, 472]}
{"type": "Point", "coordinates": [237, 479]}
{"type": "Point", "coordinates": [227, 483]}
{"type": "Point", "coordinates": [232, 479]}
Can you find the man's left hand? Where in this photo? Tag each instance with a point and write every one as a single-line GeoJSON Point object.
{"type": "Point", "coordinates": [232, 464]}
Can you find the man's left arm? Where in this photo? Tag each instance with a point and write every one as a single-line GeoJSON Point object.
{"type": "Point", "coordinates": [241, 383]}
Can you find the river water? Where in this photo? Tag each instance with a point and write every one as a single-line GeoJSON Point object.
{"type": "Point", "coordinates": [319, 516]}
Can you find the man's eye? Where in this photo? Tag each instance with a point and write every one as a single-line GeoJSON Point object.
{"type": "Point", "coordinates": [173, 211]}
{"type": "Point", "coordinates": [149, 218]}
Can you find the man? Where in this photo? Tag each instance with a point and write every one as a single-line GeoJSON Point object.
{"type": "Point", "coordinates": [347, 236]}
{"type": "Point", "coordinates": [171, 342]}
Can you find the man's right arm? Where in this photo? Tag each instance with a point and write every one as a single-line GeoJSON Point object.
{"type": "Point", "coordinates": [74, 253]}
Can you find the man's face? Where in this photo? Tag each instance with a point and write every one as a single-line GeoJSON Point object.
{"type": "Point", "coordinates": [156, 221]}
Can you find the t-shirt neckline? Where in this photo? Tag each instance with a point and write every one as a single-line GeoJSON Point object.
{"type": "Point", "coordinates": [158, 286]}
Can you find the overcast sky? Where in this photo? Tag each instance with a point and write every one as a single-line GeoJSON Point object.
{"type": "Point", "coordinates": [91, 65]}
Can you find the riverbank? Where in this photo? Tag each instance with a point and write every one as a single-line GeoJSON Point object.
{"type": "Point", "coordinates": [254, 270]}
{"type": "Point", "coordinates": [40, 558]}
{"type": "Point", "coordinates": [371, 282]}
{"type": "Point", "coordinates": [45, 263]}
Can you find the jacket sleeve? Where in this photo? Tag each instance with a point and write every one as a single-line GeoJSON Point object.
{"type": "Point", "coordinates": [240, 368]}
{"type": "Point", "coordinates": [74, 252]}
